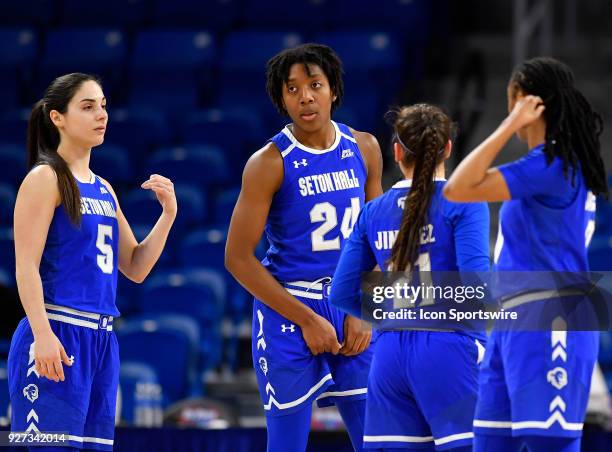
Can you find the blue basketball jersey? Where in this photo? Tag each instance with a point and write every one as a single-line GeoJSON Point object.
{"type": "Point", "coordinates": [548, 223]}
{"type": "Point", "coordinates": [313, 213]}
{"type": "Point", "coordinates": [78, 267]}
{"type": "Point", "coordinates": [456, 238]}
{"type": "Point", "coordinates": [448, 223]}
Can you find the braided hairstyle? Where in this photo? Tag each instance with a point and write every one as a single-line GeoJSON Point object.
{"type": "Point", "coordinates": [572, 127]}
{"type": "Point", "coordinates": [422, 131]}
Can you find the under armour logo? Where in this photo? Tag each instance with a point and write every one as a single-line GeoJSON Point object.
{"type": "Point", "coordinates": [346, 153]}
{"type": "Point", "coordinates": [297, 164]}
{"type": "Point", "coordinates": [291, 328]}
{"type": "Point", "coordinates": [30, 392]}
{"type": "Point", "coordinates": [557, 377]}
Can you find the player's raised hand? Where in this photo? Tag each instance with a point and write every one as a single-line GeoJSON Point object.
{"type": "Point", "coordinates": [320, 336]}
{"type": "Point", "coordinates": [164, 190]}
{"type": "Point", "coordinates": [526, 110]}
{"type": "Point", "coordinates": [357, 336]}
{"type": "Point", "coordinates": [49, 354]}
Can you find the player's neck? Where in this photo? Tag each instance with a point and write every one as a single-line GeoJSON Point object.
{"type": "Point", "coordinates": [77, 159]}
{"type": "Point", "coordinates": [409, 172]}
{"type": "Point", "coordinates": [536, 134]}
{"type": "Point", "coordinates": [321, 139]}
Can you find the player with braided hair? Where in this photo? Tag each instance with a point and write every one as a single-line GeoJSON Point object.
{"type": "Point", "coordinates": [412, 404]}
{"type": "Point", "coordinates": [529, 395]}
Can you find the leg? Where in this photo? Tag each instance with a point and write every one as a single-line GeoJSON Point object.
{"type": "Point", "coordinates": [447, 403]}
{"type": "Point", "coordinates": [41, 404]}
{"type": "Point", "coordinates": [497, 443]}
{"type": "Point", "coordinates": [394, 420]}
{"type": "Point", "coordinates": [353, 415]}
{"type": "Point", "coordinates": [546, 444]}
{"type": "Point", "coordinates": [289, 433]}
{"type": "Point", "coordinates": [99, 430]}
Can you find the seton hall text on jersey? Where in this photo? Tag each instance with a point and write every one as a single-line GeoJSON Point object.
{"type": "Point", "coordinates": [326, 182]}
{"type": "Point", "coordinates": [90, 206]}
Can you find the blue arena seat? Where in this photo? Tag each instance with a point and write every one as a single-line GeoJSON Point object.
{"type": "Point", "coordinates": [14, 127]}
{"type": "Point", "coordinates": [600, 253]}
{"type": "Point", "coordinates": [242, 74]}
{"type": "Point", "coordinates": [167, 343]}
{"type": "Point", "coordinates": [7, 204]}
{"type": "Point", "coordinates": [237, 130]}
{"type": "Point", "coordinates": [306, 15]}
{"type": "Point", "coordinates": [28, 12]}
{"type": "Point", "coordinates": [365, 57]}
{"type": "Point", "coordinates": [204, 248]}
{"type": "Point", "coordinates": [100, 51]}
{"type": "Point", "coordinates": [14, 157]}
{"type": "Point", "coordinates": [18, 52]}
{"type": "Point", "coordinates": [169, 66]}
{"type": "Point", "coordinates": [605, 350]}
{"type": "Point", "coordinates": [198, 293]}
{"type": "Point", "coordinates": [131, 13]}
{"type": "Point", "coordinates": [362, 51]}
{"type": "Point", "coordinates": [138, 130]}
{"type": "Point", "coordinates": [202, 166]}
{"type": "Point", "coordinates": [113, 164]}
{"type": "Point", "coordinates": [7, 253]}
{"type": "Point", "coordinates": [603, 217]}
{"type": "Point", "coordinates": [213, 14]}
{"type": "Point", "coordinates": [131, 375]}
{"type": "Point", "coordinates": [411, 18]}
{"type": "Point", "coordinates": [4, 395]}
{"type": "Point", "coordinates": [224, 202]}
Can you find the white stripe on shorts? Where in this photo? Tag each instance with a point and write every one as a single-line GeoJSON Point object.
{"type": "Point", "coordinates": [304, 294]}
{"type": "Point", "coordinates": [284, 406]}
{"type": "Point", "coordinates": [544, 425]}
{"type": "Point", "coordinates": [350, 392]}
{"type": "Point", "coordinates": [396, 439]}
{"type": "Point", "coordinates": [455, 437]}
{"type": "Point", "coordinates": [89, 439]}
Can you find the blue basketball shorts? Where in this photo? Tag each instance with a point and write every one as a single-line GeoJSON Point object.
{"type": "Point", "coordinates": [83, 405]}
{"type": "Point", "coordinates": [536, 383]}
{"type": "Point", "coordinates": [288, 375]}
{"type": "Point", "coordinates": [422, 390]}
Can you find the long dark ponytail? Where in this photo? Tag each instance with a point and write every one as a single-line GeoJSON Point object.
{"type": "Point", "coordinates": [572, 127]}
{"type": "Point", "coordinates": [44, 138]}
{"type": "Point", "coordinates": [422, 131]}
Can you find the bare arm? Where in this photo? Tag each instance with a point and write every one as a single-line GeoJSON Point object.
{"type": "Point", "coordinates": [370, 151]}
{"type": "Point", "coordinates": [474, 179]}
{"type": "Point", "coordinates": [137, 259]}
{"type": "Point", "coordinates": [34, 208]}
{"type": "Point", "coordinates": [262, 177]}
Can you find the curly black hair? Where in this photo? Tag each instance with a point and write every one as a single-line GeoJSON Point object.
{"type": "Point", "coordinates": [278, 67]}
{"type": "Point", "coordinates": [573, 128]}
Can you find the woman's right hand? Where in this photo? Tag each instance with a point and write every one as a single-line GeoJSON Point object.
{"type": "Point", "coordinates": [320, 336]}
{"type": "Point", "coordinates": [49, 354]}
{"type": "Point", "coordinates": [526, 111]}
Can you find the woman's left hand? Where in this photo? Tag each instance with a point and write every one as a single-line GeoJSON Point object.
{"type": "Point", "coordinates": [164, 190]}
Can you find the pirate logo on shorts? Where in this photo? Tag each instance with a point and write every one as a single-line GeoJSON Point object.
{"type": "Point", "coordinates": [263, 364]}
{"type": "Point", "coordinates": [557, 377]}
{"type": "Point", "coordinates": [30, 392]}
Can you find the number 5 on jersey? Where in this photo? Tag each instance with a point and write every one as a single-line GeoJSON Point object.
{"type": "Point", "coordinates": [326, 213]}
{"type": "Point", "coordinates": [105, 260]}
